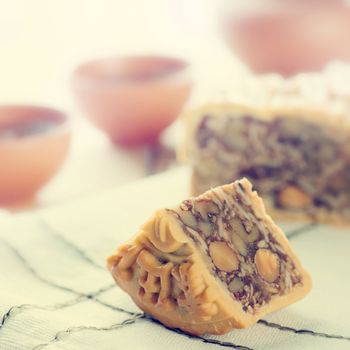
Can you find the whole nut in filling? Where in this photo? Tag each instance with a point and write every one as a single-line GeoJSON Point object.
{"type": "Point", "coordinates": [224, 258]}
{"type": "Point", "coordinates": [206, 208]}
{"type": "Point", "coordinates": [267, 264]}
{"type": "Point", "coordinates": [253, 235]}
{"type": "Point", "coordinates": [187, 218]}
{"type": "Point", "coordinates": [239, 244]}
{"type": "Point", "coordinates": [294, 198]}
{"type": "Point", "coordinates": [206, 228]}
{"type": "Point", "coordinates": [236, 285]}
{"type": "Point", "coordinates": [212, 277]}
{"type": "Point", "coordinates": [239, 228]}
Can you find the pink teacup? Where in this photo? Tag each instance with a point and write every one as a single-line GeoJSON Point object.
{"type": "Point", "coordinates": [132, 98]}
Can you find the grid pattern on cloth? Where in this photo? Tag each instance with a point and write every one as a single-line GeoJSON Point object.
{"type": "Point", "coordinates": [55, 292]}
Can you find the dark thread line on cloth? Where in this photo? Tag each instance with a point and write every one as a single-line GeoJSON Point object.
{"type": "Point", "coordinates": [25, 263]}
{"type": "Point", "coordinates": [61, 335]}
{"type": "Point", "coordinates": [16, 308]}
{"type": "Point", "coordinates": [303, 331]}
{"type": "Point", "coordinates": [200, 338]}
{"type": "Point", "coordinates": [80, 252]}
{"type": "Point", "coordinates": [51, 283]}
{"type": "Point", "coordinates": [13, 310]}
{"type": "Point", "coordinates": [263, 322]}
{"type": "Point", "coordinates": [115, 308]}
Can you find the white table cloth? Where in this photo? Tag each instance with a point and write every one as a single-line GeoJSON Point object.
{"type": "Point", "coordinates": [55, 292]}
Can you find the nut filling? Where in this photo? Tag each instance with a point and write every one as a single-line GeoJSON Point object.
{"type": "Point", "coordinates": [241, 251]}
{"type": "Point", "coordinates": [211, 263]}
{"type": "Point", "coordinates": [298, 165]}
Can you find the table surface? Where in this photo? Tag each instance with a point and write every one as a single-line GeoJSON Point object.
{"type": "Point", "coordinates": [57, 294]}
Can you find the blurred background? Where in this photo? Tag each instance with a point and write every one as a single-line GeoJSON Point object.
{"type": "Point", "coordinates": [130, 68]}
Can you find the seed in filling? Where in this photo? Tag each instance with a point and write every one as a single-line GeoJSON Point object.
{"type": "Point", "coordinates": [267, 264]}
{"type": "Point", "coordinates": [211, 263]}
{"type": "Point", "coordinates": [244, 254]}
{"type": "Point", "coordinates": [223, 256]}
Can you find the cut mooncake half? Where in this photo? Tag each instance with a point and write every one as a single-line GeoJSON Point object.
{"type": "Point", "coordinates": [214, 263]}
{"type": "Point", "coordinates": [291, 140]}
